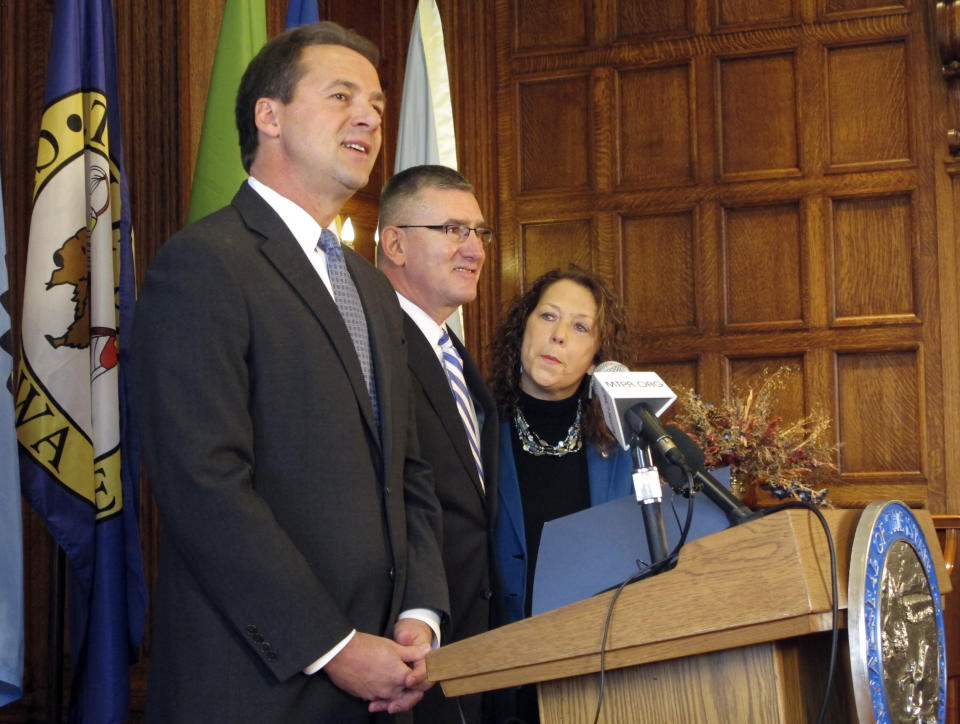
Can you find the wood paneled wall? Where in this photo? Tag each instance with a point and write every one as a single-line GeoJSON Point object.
{"type": "Point", "coordinates": [758, 180]}
{"type": "Point", "coordinates": [764, 181]}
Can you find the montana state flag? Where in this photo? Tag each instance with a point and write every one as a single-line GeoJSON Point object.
{"type": "Point", "coordinates": [78, 452]}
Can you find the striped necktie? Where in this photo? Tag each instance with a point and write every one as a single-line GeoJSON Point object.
{"type": "Point", "coordinates": [348, 302]}
{"type": "Point", "coordinates": [453, 365]}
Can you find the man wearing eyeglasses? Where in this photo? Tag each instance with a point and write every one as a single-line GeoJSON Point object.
{"type": "Point", "coordinates": [433, 242]}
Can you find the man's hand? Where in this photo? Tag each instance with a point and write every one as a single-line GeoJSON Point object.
{"type": "Point", "coordinates": [409, 632]}
{"type": "Point", "coordinates": [414, 632]}
{"type": "Point", "coordinates": [377, 669]}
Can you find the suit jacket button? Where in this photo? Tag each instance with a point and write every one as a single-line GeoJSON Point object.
{"type": "Point", "coordinates": [257, 638]}
{"type": "Point", "coordinates": [251, 629]}
{"type": "Point", "coordinates": [391, 573]}
{"type": "Point", "coordinates": [487, 593]}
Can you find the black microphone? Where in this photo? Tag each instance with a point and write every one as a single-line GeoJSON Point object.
{"type": "Point", "coordinates": [729, 503]}
{"type": "Point", "coordinates": [645, 423]}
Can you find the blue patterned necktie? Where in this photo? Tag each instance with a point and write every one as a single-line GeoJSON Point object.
{"type": "Point", "coordinates": [348, 302]}
{"type": "Point", "coordinates": [453, 365]}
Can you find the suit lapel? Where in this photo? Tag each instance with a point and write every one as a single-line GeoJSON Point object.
{"type": "Point", "coordinates": [284, 253]}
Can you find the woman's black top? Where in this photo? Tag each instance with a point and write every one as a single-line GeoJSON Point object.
{"type": "Point", "coordinates": [550, 486]}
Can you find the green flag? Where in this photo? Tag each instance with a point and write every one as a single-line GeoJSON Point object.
{"type": "Point", "coordinates": [219, 171]}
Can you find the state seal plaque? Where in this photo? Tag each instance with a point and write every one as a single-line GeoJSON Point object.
{"type": "Point", "coordinates": [895, 620]}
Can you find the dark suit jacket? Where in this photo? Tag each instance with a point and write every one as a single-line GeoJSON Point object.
{"type": "Point", "coordinates": [287, 520]}
{"type": "Point", "coordinates": [468, 513]}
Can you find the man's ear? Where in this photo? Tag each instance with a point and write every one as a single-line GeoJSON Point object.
{"type": "Point", "coordinates": [266, 117]}
{"type": "Point", "coordinates": [393, 245]}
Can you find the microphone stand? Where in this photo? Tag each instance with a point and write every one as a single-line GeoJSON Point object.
{"type": "Point", "coordinates": [729, 503]}
{"type": "Point", "coordinates": [649, 492]}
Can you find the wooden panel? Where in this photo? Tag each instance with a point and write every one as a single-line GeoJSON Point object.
{"type": "Point", "coordinates": [652, 17]}
{"type": "Point", "coordinates": [677, 375]}
{"type": "Point", "coordinates": [658, 271]}
{"type": "Point", "coordinates": [554, 245]}
{"type": "Point", "coordinates": [879, 414]}
{"type": "Point", "coordinates": [790, 404]}
{"type": "Point", "coordinates": [873, 252]}
{"type": "Point", "coordinates": [851, 6]}
{"type": "Point", "coordinates": [757, 107]}
{"type": "Point", "coordinates": [553, 133]}
{"type": "Point", "coordinates": [549, 24]}
{"type": "Point", "coordinates": [763, 266]}
{"type": "Point", "coordinates": [655, 136]}
{"type": "Point", "coordinates": [793, 107]}
{"type": "Point", "coordinates": [673, 691]}
{"type": "Point", "coordinates": [743, 12]}
{"type": "Point", "coordinates": [867, 108]}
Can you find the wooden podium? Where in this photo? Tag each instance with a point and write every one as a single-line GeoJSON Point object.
{"type": "Point", "coordinates": [738, 631]}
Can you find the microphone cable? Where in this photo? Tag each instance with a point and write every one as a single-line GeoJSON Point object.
{"type": "Point", "coordinates": [835, 604]}
{"type": "Point", "coordinates": [646, 571]}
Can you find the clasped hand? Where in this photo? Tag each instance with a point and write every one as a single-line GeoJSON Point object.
{"type": "Point", "coordinates": [391, 675]}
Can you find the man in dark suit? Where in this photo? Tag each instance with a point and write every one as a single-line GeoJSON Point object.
{"type": "Point", "coordinates": [300, 576]}
{"type": "Point", "coordinates": [432, 247]}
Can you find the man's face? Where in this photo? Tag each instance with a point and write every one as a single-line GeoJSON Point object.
{"type": "Point", "coordinates": [330, 131]}
{"type": "Point", "coordinates": [440, 271]}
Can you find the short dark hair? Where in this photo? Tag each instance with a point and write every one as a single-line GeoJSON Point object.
{"type": "Point", "coordinates": [275, 71]}
{"type": "Point", "coordinates": [504, 357]}
{"type": "Point", "coordinates": [406, 184]}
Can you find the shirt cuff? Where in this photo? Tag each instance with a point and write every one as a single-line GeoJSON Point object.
{"type": "Point", "coordinates": [325, 659]}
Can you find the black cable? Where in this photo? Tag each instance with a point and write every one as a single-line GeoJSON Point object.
{"type": "Point", "coordinates": [648, 570]}
{"type": "Point", "coordinates": [835, 606]}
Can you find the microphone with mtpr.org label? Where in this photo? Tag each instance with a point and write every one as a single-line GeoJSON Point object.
{"type": "Point", "coordinates": [630, 400]}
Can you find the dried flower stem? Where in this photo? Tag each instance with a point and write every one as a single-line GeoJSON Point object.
{"type": "Point", "coordinates": [790, 460]}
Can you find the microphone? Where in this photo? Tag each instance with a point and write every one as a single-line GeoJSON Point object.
{"type": "Point", "coordinates": [619, 389]}
{"type": "Point", "coordinates": [624, 398]}
{"type": "Point", "coordinates": [729, 503]}
{"type": "Point", "coordinates": [636, 399]}
{"type": "Point", "coordinates": [646, 424]}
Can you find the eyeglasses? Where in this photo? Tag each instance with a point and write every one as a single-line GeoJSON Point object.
{"type": "Point", "coordinates": [455, 232]}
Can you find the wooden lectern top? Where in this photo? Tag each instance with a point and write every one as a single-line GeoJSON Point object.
{"type": "Point", "coordinates": [763, 581]}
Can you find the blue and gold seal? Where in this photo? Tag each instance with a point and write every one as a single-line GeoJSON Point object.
{"type": "Point", "coordinates": [895, 620]}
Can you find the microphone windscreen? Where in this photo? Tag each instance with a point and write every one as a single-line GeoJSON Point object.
{"type": "Point", "coordinates": [611, 366]}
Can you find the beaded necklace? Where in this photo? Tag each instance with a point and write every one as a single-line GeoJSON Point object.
{"type": "Point", "coordinates": [536, 445]}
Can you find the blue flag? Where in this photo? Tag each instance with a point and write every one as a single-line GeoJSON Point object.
{"type": "Point", "coordinates": [11, 534]}
{"type": "Point", "coordinates": [301, 12]}
{"type": "Point", "coordinates": [79, 456]}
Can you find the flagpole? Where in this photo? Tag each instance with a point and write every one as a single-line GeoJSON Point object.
{"type": "Point", "coordinates": [57, 598]}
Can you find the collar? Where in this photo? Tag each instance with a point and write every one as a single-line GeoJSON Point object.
{"type": "Point", "coordinates": [302, 225]}
{"type": "Point", "coordinates": [431, 330]}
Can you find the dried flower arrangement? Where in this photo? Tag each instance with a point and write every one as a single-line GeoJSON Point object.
{"type": "Point", "coordinates": [790, 460]}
